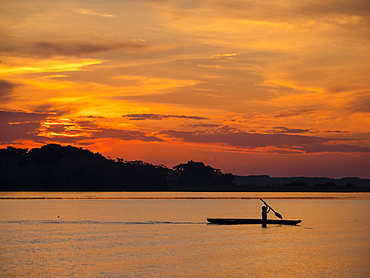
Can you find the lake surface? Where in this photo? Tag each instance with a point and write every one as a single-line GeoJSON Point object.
{"type": "Point", "coordinates": [147, 234]}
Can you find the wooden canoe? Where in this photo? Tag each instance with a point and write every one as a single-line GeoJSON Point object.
{"type": "Point", "coordinates": [237, 221]}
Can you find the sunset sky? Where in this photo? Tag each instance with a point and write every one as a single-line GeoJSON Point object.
{"type": "Point", "coordinates": [276, 87]}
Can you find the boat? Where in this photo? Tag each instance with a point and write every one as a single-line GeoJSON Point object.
{"type": "Point", "coordinates": [238, 221]}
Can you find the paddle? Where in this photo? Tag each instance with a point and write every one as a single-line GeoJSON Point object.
{"type": "Point", "coordinates": [276, 213]}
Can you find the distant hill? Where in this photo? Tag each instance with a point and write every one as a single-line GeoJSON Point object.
{"type": "Point", "coordinates": [66, 168]}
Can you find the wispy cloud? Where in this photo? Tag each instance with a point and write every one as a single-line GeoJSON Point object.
{"type": "Point", "coordinates": [77, 49]}
{"type": "Point", "coordinates": [360, 103]}
{"type": "Point", "coordinates": [137, 117]}
{"type": "Point", "coordinates": [285, 130]}
{"type": "Point", "coordinates": [15, 66]}
{"type": "Point", "coordinates": [210, 66]}
{"type": "Point", "coordinates": [57, 48]}
{"type": "Point", "coordinates": [294, 112]}
{"type": "Point", "coordinates": [6, 88]}
{"type": "Point", "coordinates": [225, 56]}
{"type": "Point", "coordinates": [91, 12]}
{"type": "Point", "coordinates": [337, 131]}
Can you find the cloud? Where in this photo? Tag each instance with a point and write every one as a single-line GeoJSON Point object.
{"type": "Point", "coordinates": [137, 117]}
{"type": "Point", "coordinates": [305, 13]}
{"type": "Point", "coordinates": [225, 56]}
{"type": "Point", "coordinates": [43, 127]}
{"type": "Point", "coordinates": [284, 130]}
{"type": "Point", "coordinates": [276, 142]}
{"type": "Point", "coordinates": [125, 135]}
{"type": "Point", "coordinates": [14, 66]}
{"type": "Point", "coordinates": [7, 117]}
{"type": "Point", "coordinates": [19, 125]}
{"type": "Point", "coordinates": [91, 12]}
{"type": "Point", "coordinates": [243, 139]}
{"type": "Point", "coordinates": [293, 113]}
{"type": "Point", "coordinates": [360, 103]}
{"type": "Point", "coordinates": [136, 85]}
{"type": "Point", "coordinates": [338, 148]}
{"type": "Point", "coordinates": [93, 117]}
{"type": "Point", "coordinates": [210, 66]}
{"type": "Point", "coordinates": [48, 49]}
{"type": "Point", "coordinates": [76, 131]}
{"type": "Point", "coordinates": [347, 7]}
{"type": "Point", "coordinates": [337, 131]}
{"type": "Point", "coordinates": [81, 130]}
{"type": "Point", "coordinates": [6, 88]}
{"type": "Point", "coordinates": [204, 125]}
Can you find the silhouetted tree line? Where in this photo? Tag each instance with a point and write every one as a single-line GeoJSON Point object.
{"type": "Point", "coordinates": [66, 168]}
{"type": "Point", "coordinates": [300, 184]}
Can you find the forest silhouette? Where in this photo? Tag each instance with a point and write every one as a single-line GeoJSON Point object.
{"type": "Point", "coordinates": [66, 168]}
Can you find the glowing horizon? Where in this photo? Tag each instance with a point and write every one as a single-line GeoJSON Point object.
{"type": "Point", "coordinates": [249, 87]}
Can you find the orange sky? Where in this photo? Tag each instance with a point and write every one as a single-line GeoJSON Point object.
{"type": "Point", "coordinates": [251, 87]}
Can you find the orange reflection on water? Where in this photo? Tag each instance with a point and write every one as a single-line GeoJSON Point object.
{"type": "Point", "coordinates": [170, 238]}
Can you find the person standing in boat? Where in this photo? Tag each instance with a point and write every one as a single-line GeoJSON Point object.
{"type": "Point", "coordinates": [265, 211]}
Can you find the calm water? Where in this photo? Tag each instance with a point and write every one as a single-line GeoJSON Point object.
{"type": "Point", "coordinates": [116, 235]}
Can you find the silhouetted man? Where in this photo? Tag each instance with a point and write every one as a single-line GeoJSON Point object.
{"type": "Point", "coordinates": [265, 211]}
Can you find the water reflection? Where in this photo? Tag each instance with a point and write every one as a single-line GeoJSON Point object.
{"type": "Point", "coordinates": [184, 195]}
{"type": "Point", "coordinates": [170, 237]}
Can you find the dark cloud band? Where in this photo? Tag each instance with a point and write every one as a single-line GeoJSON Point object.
{"type": "Point", "coordinates": [138, 117]}
{"type": "Point", "coordinates": [288, 143]}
